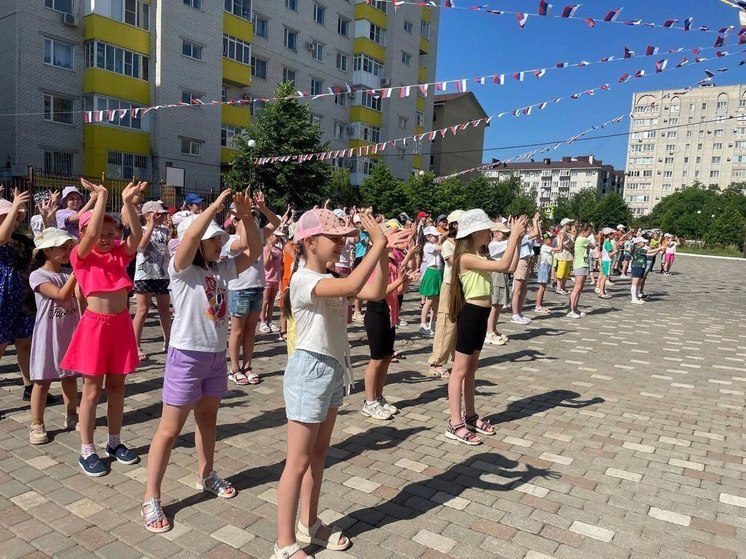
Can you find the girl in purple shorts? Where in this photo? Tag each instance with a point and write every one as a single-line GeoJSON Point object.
{"type": "Point", "coordinates": [195, 375]}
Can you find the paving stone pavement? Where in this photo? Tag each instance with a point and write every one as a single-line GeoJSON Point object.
{"type": "Point", "coordinates": [621, 435]}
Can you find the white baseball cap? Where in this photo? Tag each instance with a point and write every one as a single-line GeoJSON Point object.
{"type": "Point", "coordinates": [213, 230]}
{"type": "Point", "coordinates": [67, 191]}
{"type": "Point", "coordinates": [154, 207]}
{"type": "Point", "coordinates": [430, 231]}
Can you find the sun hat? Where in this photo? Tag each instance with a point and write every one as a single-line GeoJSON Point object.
{"type": "Point", "coordinates": [430, 231]}
{"type": "Point", "coordinates": [565, 221]}
{"type": "Point", "coordinates": [500, 226]}
{"type": "Point", "coordinates": [454, 216]}
{"type": "Point", "coordinates": [180, 216]}
{"type": "Point", "coordinates": [213, 229]}
{"type": "Point", "coordinates": [393, 224]}
{"type": "Point", "coordinates": [154, 207]}
{"type": "Point", "coordinates": [51, 237]}
{"type": "Point", "coordinates": [422, 215]}
{"type": "Point", "coordinates": [86, 217]}
{"type": "Point", "coordinates": [606, 230]}
{"type": "Point", "coordinates": [668, 235]}
{"type": "Point", "coordinates": [639, 240]}
{"type": "Point", "coordinates": [441, 217]}
{"type": "Point", "coordinates": [69, 190]}
{"type": "Point", "coordinates": [193, 199]}
{"type": "Point", "coordinates": [321, 222]}
{"type": "Point", "coordinates": [620, 227]}
{"type": "Point", "coordinates": [473, 221]}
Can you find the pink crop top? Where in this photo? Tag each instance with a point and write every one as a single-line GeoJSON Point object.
{"type": "Point", "coordinates": [102, 272]}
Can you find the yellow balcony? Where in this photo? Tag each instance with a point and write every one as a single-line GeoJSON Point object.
{"type": "Point", "coordinates": [235, 115]}
{"type": "Point", "coordinates": [374, 15]}
{"type": "Point", "coordinates": [364, 114]}
{"type": "Point", "coordinates": [99, 140]}
{"type": "Point", "coordinates": [417, 162]}
{"type": "Point", "coordinates": [363, 45]}
{"type": "Point", "coordinates": [424, 45]}
{"type": "Point", "coordinates": [111, 31]}
{"type": "Point", "coordinates": [420, 104]}
{"type": "Point", "coordinates": [419, 130]}
{"type": "Point", "coordinates": [426, 15]}
{"type": "Point", "coordinates": [227, 155]}
{"type": "Point", "coordinates": [236, 73]}
{"type": "Point", "coordinates": [422, 74]}
{"type": "Point", "coordinates": [238, 27]}
{"type": "Point", "coordinates": [96, 80]}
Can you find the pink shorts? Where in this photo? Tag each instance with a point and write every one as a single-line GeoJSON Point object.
{"type": "Point", "coordinates": [101, 344]}
{"type": "Point", "coordinates": [669, 257]}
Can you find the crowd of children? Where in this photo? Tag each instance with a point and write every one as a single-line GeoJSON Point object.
{"type": "Point", "coordinates": [65, 303]}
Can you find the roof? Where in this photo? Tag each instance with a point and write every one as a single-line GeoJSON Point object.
{"type": "Point", "coordinates": [581, 162]}
{"type": "Point", "coordinates": [446, 97]}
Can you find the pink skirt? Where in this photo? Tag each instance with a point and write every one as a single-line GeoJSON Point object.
{"type": "Point", "coordinates": [102, 343]}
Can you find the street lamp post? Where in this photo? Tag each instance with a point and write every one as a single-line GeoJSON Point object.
{"type": "Point", "coordinates": [699, 223]}
{"type": "Point", "coordinates": [251, 144]}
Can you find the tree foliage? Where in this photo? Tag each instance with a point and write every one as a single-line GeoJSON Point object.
{"type": "Point", "coordinates": [340, 190]}
{"type": "Point", "coordinates": [383, 191]}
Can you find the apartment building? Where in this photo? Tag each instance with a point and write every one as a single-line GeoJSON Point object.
{"type": "Point", "coordinates": [455, 153]}
{"type": "Point", "coordinates": [61, 57]}
{"type": "Point", "coordinates": [679, 137]}
{"type": "Point", "coordinates": [552, 180]}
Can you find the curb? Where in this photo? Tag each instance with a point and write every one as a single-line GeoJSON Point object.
{"type": "Point", "coordinates": [735, 258]}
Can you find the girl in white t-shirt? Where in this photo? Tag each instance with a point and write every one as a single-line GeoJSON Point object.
{"type": "Point", "coordinates": [195, 378]}
{"type": "Point", "coordinates": [318, 370]}
{"type": "Point", "coordinates": [431, 271]}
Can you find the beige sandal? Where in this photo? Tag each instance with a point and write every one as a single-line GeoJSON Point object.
{"type": "Point", "coordinates": [287, 552]}
{"type": "Point", "coordinates": [154, 514]}
{"type": "Point", "coordinates": [308, 535]}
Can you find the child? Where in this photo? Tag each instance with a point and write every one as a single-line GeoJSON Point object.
{"type": "Point", "coordinates": [640, 252]}
{"type": "Point", "coordinates": [500, 284]}
{"type": "Point", "coordinates": [670, 242]}
{"type": "Point", "coordinates": [545, 270]}
{"type": "Point", "coordinates": [68, 216]}
{"type": "Point", "coordinates": [288, 256]}
{"type": "Point", "coordinates": [581, 268]}
{"type": "Point", "coordinates": [627, 246]}
{"type": "Point", "coordinates": [361, 249]}
{"type": "Point", "coordinates": [608, 251]}
{"type": "Point", "coordinates": [520, 277]}
{"type": "Point", "coordinates": [470, 301]}
{"type": "Point", "coordinates": [564, 256]}
{"type": "Point", "coordinates": [316, 372]}
{"type": "Point", "coordinates": [57, 316]}
{"type": "Point", "coordinates": [432, 277]}
{"type": "Point", "coordinates": [103, 346]}
{"type": "Point", "coordinates": [194, 378]}
{"type": "Point", "coordinates": [272, 274]}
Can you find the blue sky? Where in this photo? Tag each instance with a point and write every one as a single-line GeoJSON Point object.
{"type": "Point", "coordinates": [474, 44]}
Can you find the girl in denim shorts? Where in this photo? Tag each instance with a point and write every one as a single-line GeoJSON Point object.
{"type": "Point", "coordinates": [195, 378]}
{"type": "Point", "coordinates": [318, 371]}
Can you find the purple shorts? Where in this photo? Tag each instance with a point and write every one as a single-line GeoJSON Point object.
{"type": "Point", "coordinates": [191, 375]}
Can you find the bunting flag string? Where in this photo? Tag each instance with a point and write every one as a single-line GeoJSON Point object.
{"type": "Point", "coordinates": [454, 129]}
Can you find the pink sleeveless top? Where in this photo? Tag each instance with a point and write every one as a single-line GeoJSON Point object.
{"type": "Point", "coordinates": [102, 272]}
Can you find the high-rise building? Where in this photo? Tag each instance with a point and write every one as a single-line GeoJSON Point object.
{"type": "Point", "coordinates": [679, 137]}
{"type": "Point", "coordinates": [454, 153]}
{"type": "Point", "coordinates": [552, 180]}
{"type": "Point", "coordinates": [61, 57]}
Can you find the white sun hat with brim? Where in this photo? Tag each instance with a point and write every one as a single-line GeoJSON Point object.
{"type": "Point", "coordinates": [213, 230]}
{"type": "Point", "coordinates": [454, 216]}
{"type": "Point", "coordinates": [606, 230]}
{"type": "Point", "coordinates": [639, 240]}
{"type": "Point", "coordinates": [431, 231]}
{"type": "Point", "coordinates": [502, 227]}
{"type": "Point", "coordinates": [180, 216]}
{"type": "Point", "coordinates": [154, 207]}
{"type": "Point", "coordinates": [565, 221]}
{"type": "Point", "coordinates": [67, 191]}
{"type": "Point", "coordinates": [472, 221]}
{"type": "Point", "coordinates": [52, 237]}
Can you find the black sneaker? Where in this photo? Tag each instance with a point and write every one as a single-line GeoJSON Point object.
{"type": "Point", "coordinates": [27, 392]}
{"type": "Point", "coordinates": [123, 454]}
{"type": "Point", "coordinates": [92, 466]}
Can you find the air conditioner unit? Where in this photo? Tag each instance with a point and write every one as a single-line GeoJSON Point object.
{"type": "Point", "coordinates": [309, 47]}
{"type": "Point", "coordinates": [69, 20]}
{"type": "Point", "coordinates": [385, 82]}
{"type": "Point", "coordinates": [350, 130]}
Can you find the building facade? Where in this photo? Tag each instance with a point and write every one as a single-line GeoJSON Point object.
{"type": "Point", "coordinates": [61, 57]}
{"type": "Point", "coordinates": [679, 137]}
{"type": "Point", "coordinates": [455, 153]}
{"type": "Point", "coordinates": [552, 180]}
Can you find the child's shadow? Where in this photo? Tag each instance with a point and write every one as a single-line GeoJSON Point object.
{"type": "Point", "coordinates": [531, 405]}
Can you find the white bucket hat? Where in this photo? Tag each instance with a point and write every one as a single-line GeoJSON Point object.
{"type": "Point", "coordinates": [430, 231]}
{"type": "Point", "coordinates": [69, 190]}
{"type": "Point", "coordinates": [154, 207]}
{"type": "Point", "coordinates": [565, 221]}
{"type": "Point", "coordinates": [52, 237]}
{"type": "Point", "coordinates": [213, 230]}
{"type": "Point", "coordinates": [454, 216]}
{"type": "Point", "coordinates": [472, 221]}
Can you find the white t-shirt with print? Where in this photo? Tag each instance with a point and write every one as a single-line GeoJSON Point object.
{"type": "Point", "coordinates": [320, 322]}
{"type": "Point", "coordinates": [251, 277]}
{"type": "Point", "coordinates": [430, 257]}
{"type": "Point", "coordinates": [152, 261]}
{"type": "Point", "coordinates": [545, 254]}
{"type": "Point", "coordinates": [200, 300]}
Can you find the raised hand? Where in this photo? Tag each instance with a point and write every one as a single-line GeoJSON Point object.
{"type": "Point", "coordinates": [518, 225]}
{"type": "Point", "coordinates": [53, 198]}
{"type": "Point", "coordinates": [133, 192]}
{"type": "Point", "coordinates": [20, 199]}
{"type": "Point", "coordinates": [217, 205]}
{"type": "Point", "coordinates": [242, 202]}
{"type": "Point", "coordinates": [259, 200]}
{"type": "Point", "coordinates": [373, 229]}
{"type": "Point", "coordinates": [399, 239]}
{"type": "Point", "coordinates": [94, 189]}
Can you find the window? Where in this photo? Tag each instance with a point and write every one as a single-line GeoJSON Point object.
{"type": "Point", "coordinates": [378, 4]}
{"type": "Point", "coordinates": [261, 26]}
{"type": "Point", "coordinates": [699, 147]}
{"type": "Point", "coordinates": [236, 49]}
{"type": "Point", "coordinates": [227, 134]}
{"type": "Point", "coordinates": [403, 123]}
{"type": "Point", "coordinates": [722, 105]}
{"type": "Point", "coordinates": [126, 165]}
{"type": "Point", "coordinates": [341, 61]}
{"type": "Point", "coordinates": [58, 163]}
{"type": "Point", "coordinates": [196, 4]}
{"type": "Point", "coordinates": [315, 119]}
{"type": "Point", "coordinates": [714, 174]}
{"type": "Point", "coordinates": [291, 5]}
{"type": "Point", "coordinates": [189, 96]}
{"type": "Point", "coordinates": [671, 134]}
{"type": "Point", "coordinates": [131, 12]}
{"type": "Point", "coordinates": [717, 146]}
{"type": "Point", "coordinates": [704, 106]}
{"type": "Point", "coordinates": [673, 121]}
{"type": "Point", "coordinates": [290, 39]}
{"type": "Point", "coordinates": [719, 133]}
{"type": "Point", "coordinates": [686, 160]}
{"type": "Point", "coordinates": [647, 172]}
{"type": "Point", "coordinates": [116, 59]}
{"type": "Point", "coordinates": [740, 145]}
{"type": "Point", "coordinates": [377, 34]}
{"type": "Point", "coordinates": [670, 147]}
{"type": "Point", "coordinates": [122, 115]}
{"type": "Point", "coordinates": [668, 161]}
{"type": "Point", "coordinates": [319, 13]}
{"type": "Point", "coordinates": [716, 160]}
{"type": "Point", "coordinates": [699, 160]}
{"type": "Point", "coordinates": [190, 146]}
{"type": "Point", "coordinates": [667, 174]}
{"type": "Point", "coordinates": [240, 8]}
{"type": "Point", "coordinates": [408, 26]}
{"type": "Point", "coordinates": [191, 50]}
{"type": "Point", "coordinates": [419, 118]}
{"type": "Point", "coordinates": [288, 75]}
{"type": "Point", "coordinates": [224, 94]}
{"type": "Point", "coordinates": [339, 130]}
{"type": "Point", "coordinates": [317, 86]}
{"type": "Point", "coordinates": [363, 62]}
{"type": "Point", "coordinates": [371, 134]}
{"type": "Point", "coordinates": [318, 51]}
{"type": "Point", "coordinates": [371, 101]}
{"type": "Point", "coordinates": [425, 29]}
{"type": "Point", "coordinates": [259, 67]}
{"type": "Point", "coordinates": [406, 58]}
{"type": "Point", "coordinates": [57, 53]}
{"type": "Point", "coordinates": [64, 6]}
{"type": "Point", "coordinates": [340, 99]}
{"type": "Point", "coordinates": [58, 109]}
{"type": "Point", "coordinates": [343, 26]}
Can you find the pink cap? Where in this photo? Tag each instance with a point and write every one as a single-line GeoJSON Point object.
{"type": "Point", "coordinates": [321, 222]}
{"type": "Point", "coordinates": [86, 217]}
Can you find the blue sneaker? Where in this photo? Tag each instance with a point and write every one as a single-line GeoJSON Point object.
{"type": "Point", "coordinates": [123, 454]}
{"type": "Point", "coordinates": [92, 466]}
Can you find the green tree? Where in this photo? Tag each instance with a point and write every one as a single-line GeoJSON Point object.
{"type": "Point", "coordinates": [727, 228]}
{"type": "Point", "coordinates": [523, 204]}
{"type": "Point", "coordinates": [493, 197]}
{"type": "Point", "coordinates": [340, 190]}
{"type": "Point", "coordinates": [422, 194]}
{"type": "Point", "coordinates": [282, 128]}
{"type": "Point", "coordinates": [612, 210]}
{"type": "Point", "coordinates": [450, 195]}
{"type": "Point", "coordinates": [383, 191]}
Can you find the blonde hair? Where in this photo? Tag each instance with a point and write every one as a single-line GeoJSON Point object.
{"type": "Point", "coordinates": [456, 299]}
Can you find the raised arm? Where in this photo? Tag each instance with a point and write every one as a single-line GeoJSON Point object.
{"type": "Point", "coordinates": [473, 262]}
{"type": "Point", "coordinates": [93, 229]}
{"type": "Point", "coordinates": [9, 223]}
{"type": "Point", "coordinates": [248, 233]}
{"type": "Point", "coordinates": [190, 242]}
{"type": "Point", "coordinates": [261, 205]}
{"type": "Point", "coordinates": [148, 233]}
{"type": "Point", "coordinates": [130, 194]}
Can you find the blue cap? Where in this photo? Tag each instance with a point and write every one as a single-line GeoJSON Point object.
{"type": "Point", "coordinates": [193, 199]}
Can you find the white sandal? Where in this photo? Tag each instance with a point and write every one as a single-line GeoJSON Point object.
{"type": "Point", "coordinates": [287, 552]}
{"type": "Point", "coordinates": [217, 486]}
{"type": "Point", "coordinates": [308, 535]}
{"type": "Point", "coordinates": [154, 514]}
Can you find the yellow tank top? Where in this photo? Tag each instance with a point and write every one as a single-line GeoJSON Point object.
{"type": "Point", "coordinates": [476, 283]}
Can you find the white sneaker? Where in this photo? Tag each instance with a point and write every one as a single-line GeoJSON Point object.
{"type": "Point", "coordinates": [402, 323]}
{"type": "Point", "coordinates": [637, 302]}
{"type": "Point", "coordinates": [518, 319]}
{"type": "Point", "coordinates": [425, 331]}
{"type": "Point", "coordinates": [375, 411]}
{"type": "Point", "coordinates": [573, 315]}
{"type": "Point", "coordinates": [264, 328]}
{"type": "Point", "coordinates": [392, 409]}
{"type": "Point", "coordinates": [274, 328]}
{"type": "Point", "coordinates": [597, 290]}
{"type": "Point", "coordinates": [582, 314]}
{"type": "Point", "coordinates": [357, 317]}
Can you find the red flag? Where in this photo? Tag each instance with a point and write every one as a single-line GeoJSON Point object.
{"type": "Point", "coordinates": [522, 19]}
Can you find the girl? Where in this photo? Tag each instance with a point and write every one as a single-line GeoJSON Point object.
{"type": "Point", "coordinates": [581, 268]}
{"type": "Point", "coordinates": [272, 273]}
{"type": "Point", "coordinates": [545, 268]}
{"type": "Point", "coordinates": [103, 346]}
{"type": "Point", "coordinates": [151, 272]}
{"type": "Point", "coordinates": [608, 251]}
{"type": "Point", "coordinates": [17, 314]}
{"type": "Point", "coordinates": [670, 243]}
{"type": "Point", "coordinates": [500, 284]}
{"type": "Point", "coordinates": [194, 377]}
{"type": "Point", "coordinates": [432, 277]}
{"type": "Point", "coordinates": [68, 216]}
{"type": "Point", "coordinates": [520, 277]}
{"type": "Point", "coordinates": [640, 252]}
{"type": "Point", "coordinates": [57, 316]}
{"type": "Point", "coordinates": [316, 373]}
{"type": "Point", "coordinates": [288, 256]}
{"type": "Point", "coordinates": [470, 301]}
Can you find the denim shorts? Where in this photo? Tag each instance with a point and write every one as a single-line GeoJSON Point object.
{"type": "Point", "coordinates": [544, 272]}
{"type": "Point", "coordinates": [313, 383]}
{"type": "Point", "coordinates": [192, 375]}
{"type": "Point", "coordinates": [245, 301]}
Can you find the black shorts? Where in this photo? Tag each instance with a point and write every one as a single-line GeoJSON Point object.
{"type": "Point", "coordinates": [638, 272]}
{"type": "Point", "coordinates": [381, 334]}
{"type": "Point", "coordinates": [471, 328]}
{"type": "Point", "coordinates": [537, 251]}
{"type": "Point", "coordinates": [154, 286]}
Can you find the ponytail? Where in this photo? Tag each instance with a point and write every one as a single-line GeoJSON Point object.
{"type": "Point", "coordinates": [300, 253]}
{"type": "Point", "coordinates": [38, 260]}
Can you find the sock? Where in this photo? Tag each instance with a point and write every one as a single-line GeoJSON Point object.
{"type": "Point", "coordinates": [633, 291]}
{"type": "Point", "coordinates": [370, 402]}
{"type": "Point", "coordinates": [86, 450]}
{"type": "Point", "coordinates": [114, 441]}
